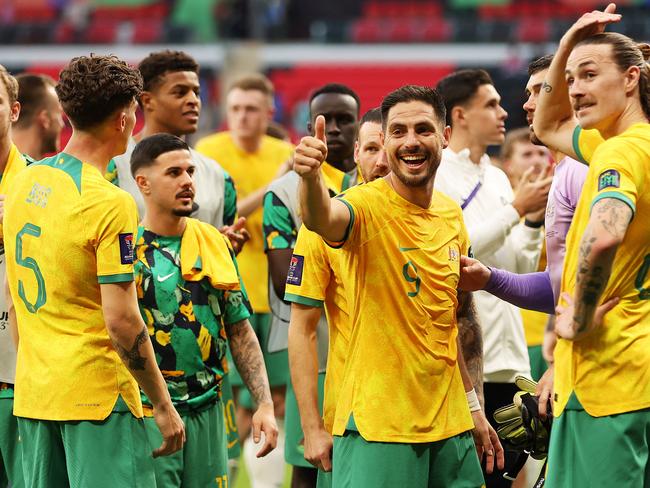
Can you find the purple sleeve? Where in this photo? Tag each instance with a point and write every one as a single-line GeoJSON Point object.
{"type": "Point", "coordinates": [532, 291]}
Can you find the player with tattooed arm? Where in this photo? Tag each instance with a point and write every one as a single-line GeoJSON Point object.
{"type": "Point", "coordinates": [602, 366]}
{"type": "Point", "coordinates": [83, 348]}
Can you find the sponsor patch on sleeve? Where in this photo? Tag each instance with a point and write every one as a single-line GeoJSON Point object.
{"type": "Point", "coordinates": [609, 179]}
{"type": "Point", "coordinates": [126, 248]}
{"type": "Point", "coordinates": [294, 277]}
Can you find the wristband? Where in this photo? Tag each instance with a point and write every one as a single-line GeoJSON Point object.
{"type": "Point", "coordinates": [472, 401]}
{"type": "Point", "coordinates": [533, 225]}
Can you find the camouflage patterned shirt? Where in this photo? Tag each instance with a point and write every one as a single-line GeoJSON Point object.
{"type": "Point", "coordinates": [185, 320]}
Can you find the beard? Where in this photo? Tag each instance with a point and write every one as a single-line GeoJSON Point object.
{"type": "Point", "coordinates": [183, 212]}
{"type": "Point", "coordinates": [415, 180]}
{"type": "Point", "coordinates": [50, 143]}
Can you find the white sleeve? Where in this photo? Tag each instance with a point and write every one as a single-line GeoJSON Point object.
{"type": "Point", "coordinates": [526, 242]}
{"type": "Point", "coordinates": [488, 237]}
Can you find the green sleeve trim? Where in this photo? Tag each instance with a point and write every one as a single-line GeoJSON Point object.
{"type": "Point", "coordinates": [309, 302]}
{"type": "Point", "coordinates": [339, 245]}
{"type": "Point", "coordinates": [576, 144]}
{"type": "Point", "coordinates": [347, 179]}
{"type": "Point", "coordinates": [116, 278]}
{"type": "Point", "coordinates": [242, 314]}
{"type": "Point", "coordinates": [618, 196]}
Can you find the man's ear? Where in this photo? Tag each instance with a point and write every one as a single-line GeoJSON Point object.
{"type": "Point", "coordinates": [15, 112]}
{"type": "Point", "coordinates": [147, 101]}
{"type": "Point", "coordinates": [446, 135]}
{"type": "Point", "coordinates": [356, 151]}
{"type": "Point", "coordinates": [143, 183]}
{"type": "Point", "coordinates": [43, 118]}
{"type": "Point", "coordinates": [457, 115]}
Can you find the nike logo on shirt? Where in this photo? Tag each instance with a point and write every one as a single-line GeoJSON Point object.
{"type": "Point", "coordinates": [164, 278]}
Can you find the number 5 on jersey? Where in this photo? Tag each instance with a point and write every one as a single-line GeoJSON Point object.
{"type": "Point", "coordinates": [31, 264]}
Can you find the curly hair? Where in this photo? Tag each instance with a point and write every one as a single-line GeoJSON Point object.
{"type": "Point", "coordinates": [156, 65]}
{"type": "Point", "coordinates": [91, 88]}
{"type": "Point", "coordinates": [10, 83]}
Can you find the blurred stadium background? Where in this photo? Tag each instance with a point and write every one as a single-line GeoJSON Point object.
{"type": "Point", "coordinates": [371, 45]}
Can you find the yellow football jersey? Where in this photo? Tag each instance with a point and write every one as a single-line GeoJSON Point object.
{"type": "Point", "coordinates": [314, 281]}
{"type": "Point", "coordinates": [67, 230]}
{"type": "Point", "coordinates": [400, 264]}
{"type": "Point", "coordinates": [585, 143]}
{"type": "Point", "coordinates": [15, 164]}
{"type": "Point", "coordinates": [250, 172]}
{"type": "Point", "coordinates": [609, 369]}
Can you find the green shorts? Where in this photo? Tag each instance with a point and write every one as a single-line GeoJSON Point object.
{"type": "Point", "coordinates": [324, 479]}
{"type": "Point", "coordinates": [450, 463]}
{"type": "Point", "coordinates": [203, 461]}
{"type": "Point", "coordinates": [538, 364]}
{"type": "Point", "coordinates": [294, 448]}
{"type": "Point", "coordinates": [277, 363]}
{"type": "Point", "coordinates": [11, 466]}
{"type": "Point", "coordinates": [110, 453]}
{"type": "Point", "coordinates": [228, 405]}
{"type": "Point", "coordinates": [599, 452]}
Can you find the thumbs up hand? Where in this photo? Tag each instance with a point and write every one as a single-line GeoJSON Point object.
{"type": "Point", "coordinates": [312, 151]}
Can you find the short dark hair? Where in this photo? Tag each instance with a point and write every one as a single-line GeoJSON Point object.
{"type": "Point", "coordinates": [413, 93]}
{"type": "Point", "coordinates": [539, 64]}
{"type": "Point", "coordinates": [148, 149]}
{"type": "Point", "coordinates": [91, 88]}
{"type": "Point", "coordinates": [156, 65]}
{"type": "Point", "coordinates": [459, 87]}
{"type": "Point", "coordinates": [337, 88]}
{"type": "Point", "coordinates": [32, 92]}
{"type": "Point", "coordinates": [372, 115]}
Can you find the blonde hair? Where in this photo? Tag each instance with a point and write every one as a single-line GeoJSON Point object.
{"type": "Point", "coordinates": [10, 84]}
{"type": "Point", "coordinates": [256, 82]}
{"type": "Point", "coordinates": [513, 137]}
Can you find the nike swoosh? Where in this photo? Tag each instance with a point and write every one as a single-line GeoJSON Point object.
{"type": "Point", "coordinates": [163, 278]}
{"type": "Point", "coordinates": [404, 249]}
{"type": "Point", "coordinates": [231, 444]}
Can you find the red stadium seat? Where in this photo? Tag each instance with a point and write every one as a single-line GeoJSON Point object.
{"type": "Point", "coordinates": [533, 30]}
{"type": "Point", "coordinates": [102, 31]}
{"type": "Point", "coordinates": [402, 30]}
{"type": "Point", "coordinates": [436, 30]}
{"type": "Point", "coordinates": [26, 12]}
{"type": "Point", "coordinates": [367, 30]}
{"type": "Point", "coordinates": [147, 31]}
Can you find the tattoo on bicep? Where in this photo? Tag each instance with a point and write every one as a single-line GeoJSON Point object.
{"type": "Point", "coordinates": [247, 354]}
{"type": "Point", "coordinates": [132, 357]}
{"type": "Point", "coordinates": [546, 87]}
{"type": "Point", "coordinates": [614, 215]}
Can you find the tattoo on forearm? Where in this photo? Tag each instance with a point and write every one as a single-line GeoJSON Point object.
{"type": "Point", "coordinates": [247, 354]}
{"type": "Point", "coordinates": [471, 339]}
{"type": "Point", "coordinates": [594, 270]}
{"type": "Point", "coordinates": [547, 88]}
{"type": "Point", "coordinates": [132, 357]}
